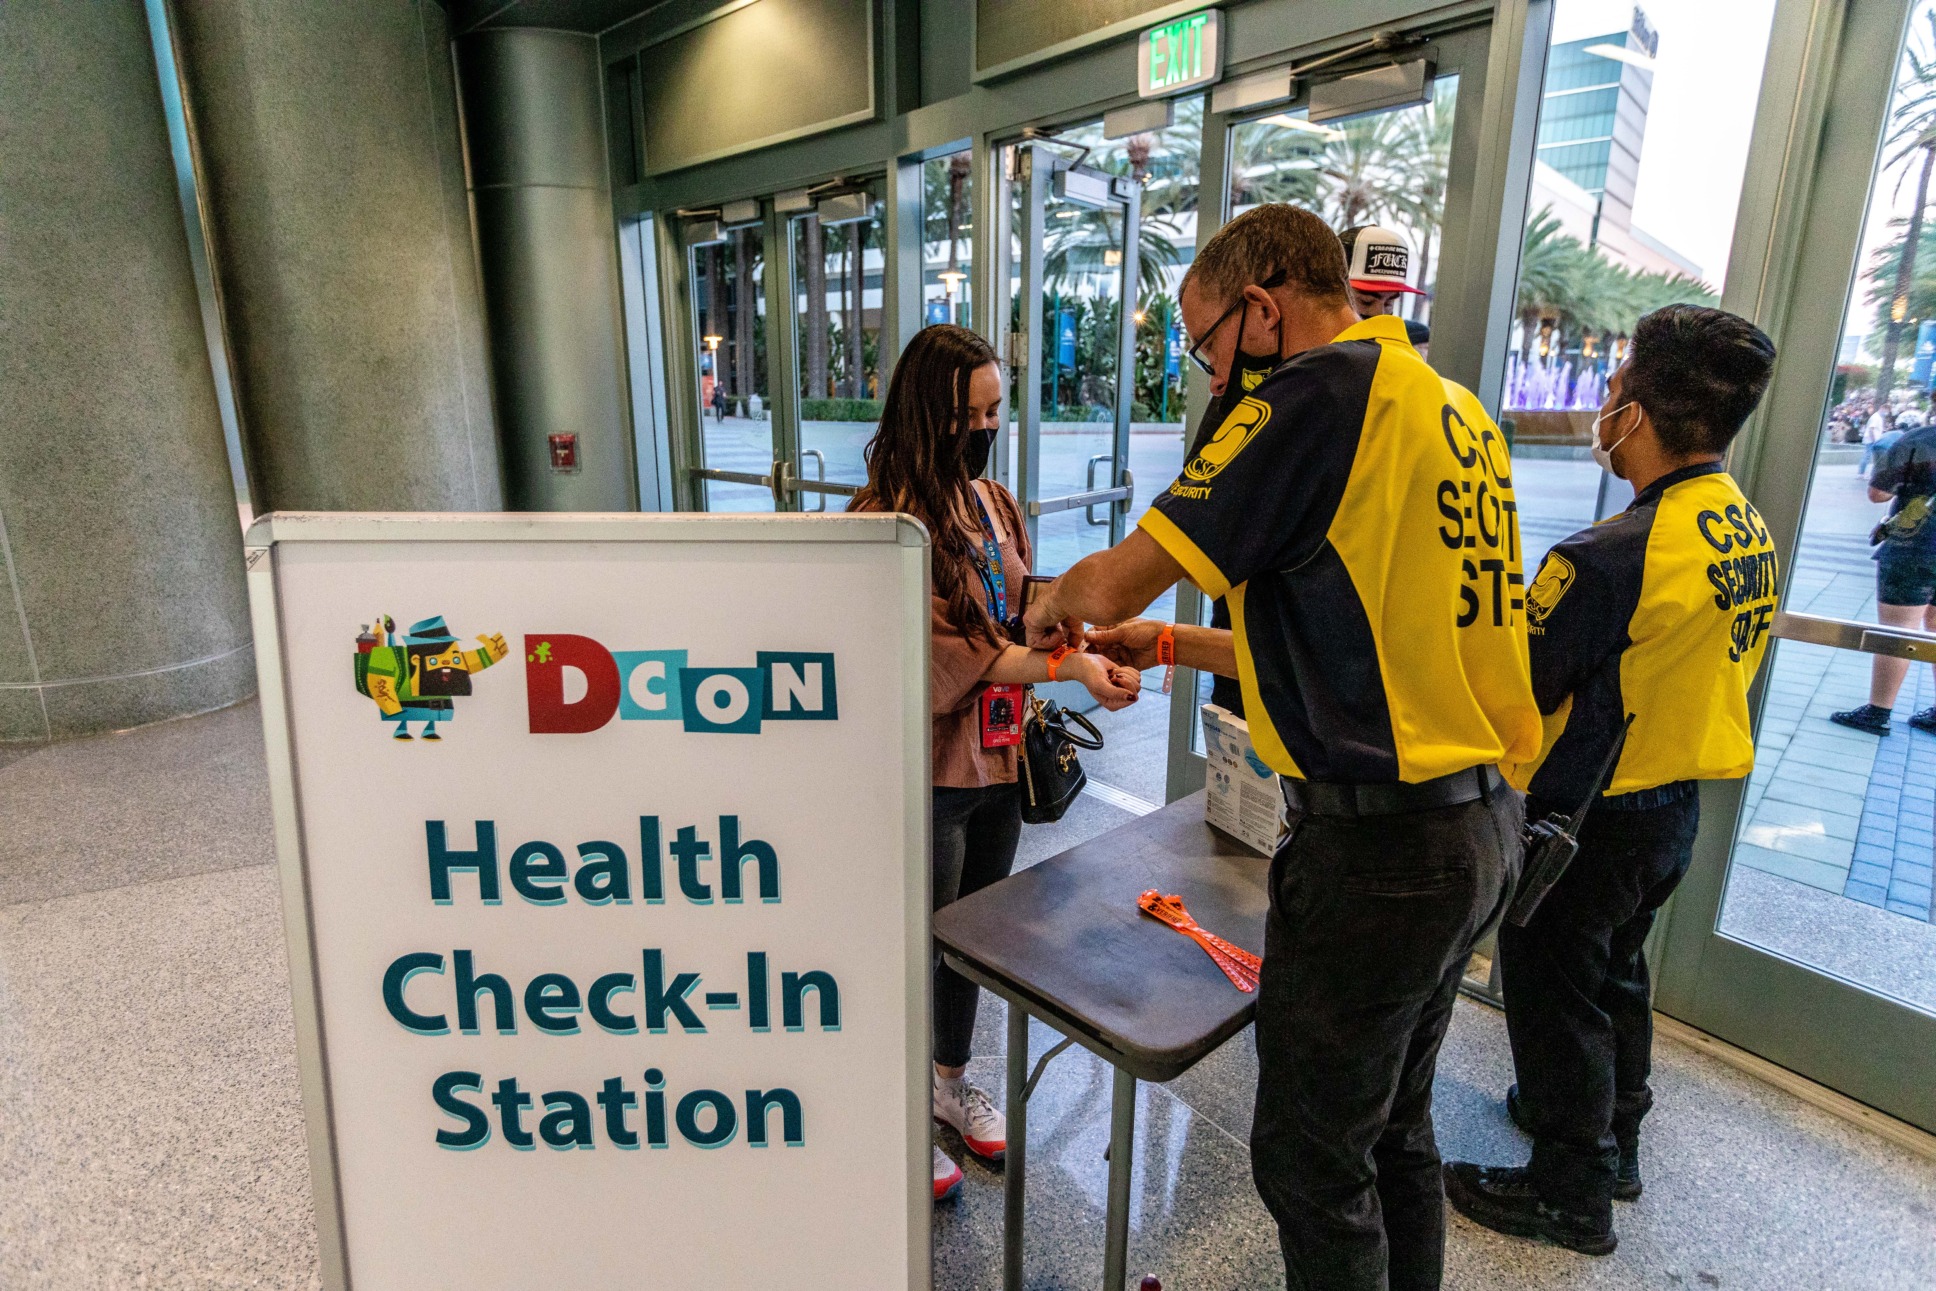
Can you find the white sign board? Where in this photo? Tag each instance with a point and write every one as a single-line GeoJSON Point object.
{"type": "Point", "coordinates": [604, 863]}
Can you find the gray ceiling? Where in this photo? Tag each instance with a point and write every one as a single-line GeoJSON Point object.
{"type": "Point", "coordinates": [589, 16]}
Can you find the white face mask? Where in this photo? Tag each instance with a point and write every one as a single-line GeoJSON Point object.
{"type": "Point", "coordinates": [1603, 454]}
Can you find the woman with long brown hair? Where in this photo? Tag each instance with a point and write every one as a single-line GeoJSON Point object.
{"type": "Point", "coordinates": [940, 419]}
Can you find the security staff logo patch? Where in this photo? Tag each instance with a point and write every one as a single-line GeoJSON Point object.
{"type": "Point", "coordinates": [1238, 429]}
{"type": "Point", "coordinates": [1555, 578]}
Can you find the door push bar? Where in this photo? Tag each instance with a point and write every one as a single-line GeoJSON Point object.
{"type": "Point", "coordinates": [1843, 634]}
{"type": "Point", "coordinates": [781, 481]}
{"type": "Point", "coordinates": [787, 481]}
{"type": "Point", "coordinates": [1123, 495]}
{"type": "Point", "coordinates": [737, 477]}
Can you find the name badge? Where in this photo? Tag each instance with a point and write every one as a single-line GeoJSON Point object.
{"type": "Point", "coordinates": [1001, 716]}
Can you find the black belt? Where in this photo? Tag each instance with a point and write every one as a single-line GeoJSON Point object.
{"type": "Point", "coordinates": [1648, 799]}
{"type": "Point", "coordinates": [1315, 798]}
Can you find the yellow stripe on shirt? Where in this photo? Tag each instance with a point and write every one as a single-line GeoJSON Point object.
{"type": "Point", "coordinates": [1201, 569]}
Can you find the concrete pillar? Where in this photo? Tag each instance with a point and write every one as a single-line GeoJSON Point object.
{"type": "Point", "coordinates": [333, 171]}
{"type": "Point", "coordinates": [121, 598]}
{"type": "Point", "coordinates": [548, 247]}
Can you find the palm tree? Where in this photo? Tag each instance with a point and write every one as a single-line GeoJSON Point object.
{"type": "Point", "coordinates": [1356, 173]}
{"type": "Point", "coordinates": [813, 255]}
{"type": "Point", "coordinates": [853, 301]}
{"type": "Point", "coordinates": [1886, 266]}
{"type": "Point", "coordinates": [1552, 264]}
{"type": "Point", "coordinates": [1425, 144]}
{"type": "Point", "coordinates": [1167, 164]}
{"type": "Point", "coordinates": [715, 324]}
{"type": "Point", "coordinates": [1081, 245]}
{"type": "Point", "coordinates": [744, 309]}
{"type": "Point", "coordinates": [1914, 118]}
{"type": "Point", "coordinates": [1274, 165]}
{"type": "Point", "coordinates": [958, 168]}
{"type": "Point", "coordinates": [1572, 296]}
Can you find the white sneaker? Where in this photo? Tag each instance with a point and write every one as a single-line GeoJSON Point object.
{"type": "Point", "coordinates": [947, 1175]}
{"type": "Point", "coordinates": [968, 1109]}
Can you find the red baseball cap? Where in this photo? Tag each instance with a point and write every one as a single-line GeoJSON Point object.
{"type": "Point", "coordinates": [1377, 259]}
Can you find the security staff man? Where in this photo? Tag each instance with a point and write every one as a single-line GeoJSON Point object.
{"type": "Point", "coordinates": [1661, 613]}
{"type": "Point", "coordinates": [1377, 267]}
{"type": "Point", "coordinates": [1357, 510]}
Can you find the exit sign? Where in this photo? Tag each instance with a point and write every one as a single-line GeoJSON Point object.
{"type": "Point", "coordinates": [1180, 54]}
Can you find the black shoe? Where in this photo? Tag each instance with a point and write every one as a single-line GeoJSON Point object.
{"type": "Point", "coordinates": [1925, 720]}
{"type": "Point", "coordinates": [1626, 1179]}
{"type": "Point", "coordinates": [1870, 717]}
{"type": "Point", "coordinates": [1516, 1109]}
{"type": "Point", "coordinates": [1503, 1199]}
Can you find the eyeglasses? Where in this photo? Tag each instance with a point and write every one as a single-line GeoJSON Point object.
{"type": "Point", "coordinates": [1196, 351]}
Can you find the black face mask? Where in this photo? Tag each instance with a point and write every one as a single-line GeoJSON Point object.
{"type": "Point", "coordinates": [1248, 372]}
{"type": "Point", "coordinates": [975, 451]}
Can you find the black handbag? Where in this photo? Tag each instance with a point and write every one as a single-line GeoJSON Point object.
{"type": "Point", "coordinates": [1052, 776]}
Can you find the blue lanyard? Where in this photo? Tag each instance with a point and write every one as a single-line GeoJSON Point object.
{"type": "Point", "coordinates": [993, 577]}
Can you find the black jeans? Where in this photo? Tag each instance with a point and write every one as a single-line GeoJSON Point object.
{"type": "Point", "coordinates": [1371, 924]}
{"type": "Point", "coordinates": [1577, 1002]}
{"type": "Point", "coordinates": [975, 833]}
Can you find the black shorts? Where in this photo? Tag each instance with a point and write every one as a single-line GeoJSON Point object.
{"type": "Point", "coordinates": [1905, 577]}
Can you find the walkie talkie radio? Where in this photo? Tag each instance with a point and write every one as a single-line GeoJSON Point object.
{"type": "Point", "coordinates": [1552, 843]}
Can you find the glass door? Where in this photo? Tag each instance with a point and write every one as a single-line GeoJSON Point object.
{"type": "Point", "coordinates": [839, 262]}
{"type": "Point", "coordinates": [1644, 125]}
{"type": "Point", "coordinates": [1075, 330]}
{"type": "Point", "coordinates": [1811, 941]}
{"type": "Point", "coordinates": [726, 274]}
{"type": "Point", "coordinates": [786, 346]}
{"type": "Point", "coordinates": [1103, 229]}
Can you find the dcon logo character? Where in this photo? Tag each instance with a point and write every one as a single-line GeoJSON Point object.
{"type": "Point", "coordinates": [415, 676]}
{"type": "Point", "coordinates": [661, 686]}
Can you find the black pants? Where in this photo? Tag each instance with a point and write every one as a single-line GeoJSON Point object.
{"type": "Point", "coordinates": [975, 833]}
{"type": "Point", "coordinates": [1577, 1002]}
{"type": "Point", "coordinates": [1371, 924]}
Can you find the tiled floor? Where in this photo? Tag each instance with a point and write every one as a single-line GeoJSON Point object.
{"type": "Point", "coordinates": [151, 1127]}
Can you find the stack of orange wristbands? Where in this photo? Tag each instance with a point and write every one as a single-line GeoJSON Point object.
{"type": "Point", "coordinates": [1238, 964]}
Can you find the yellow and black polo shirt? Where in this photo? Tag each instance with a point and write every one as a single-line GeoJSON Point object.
{"type": "Point", "coordinates": [1357, 510]}
{"type": "Point", "coordinates": [1663, 612]}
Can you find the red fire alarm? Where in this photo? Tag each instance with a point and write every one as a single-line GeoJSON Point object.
{"type": "Point", "coordinates": [564, 452]}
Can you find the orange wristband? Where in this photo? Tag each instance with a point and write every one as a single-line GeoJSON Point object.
{"type": "Point", "coordinates": [1056, 656]}
{"type": "Point", "coordinates": [1166, 646]}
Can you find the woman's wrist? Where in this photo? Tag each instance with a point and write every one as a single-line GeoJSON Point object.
{"type": "Point", "coordinates": [1085, 668]}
